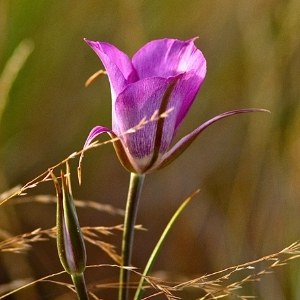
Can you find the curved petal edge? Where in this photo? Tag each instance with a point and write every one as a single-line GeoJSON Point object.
{"type": "Point", "coordinates": [186, 141]}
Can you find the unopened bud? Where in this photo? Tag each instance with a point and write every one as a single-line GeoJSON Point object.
{"type": "Point", "coordinates": [70, 242]}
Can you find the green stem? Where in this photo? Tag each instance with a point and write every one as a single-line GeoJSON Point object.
{"type": "Point", "coordinates": [80, 286]}
{"type": "Point", "coordinates": [134, 193]}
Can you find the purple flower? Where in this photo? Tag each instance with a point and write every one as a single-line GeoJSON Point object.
{"type": "Point", "coordinates": [164, 75]}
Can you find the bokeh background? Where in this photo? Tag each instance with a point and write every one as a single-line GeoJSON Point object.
{"type": "Point", "coordinates": [247, 167]}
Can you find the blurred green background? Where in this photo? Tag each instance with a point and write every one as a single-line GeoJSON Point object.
{"type": "Point", "coordinates": [247, 167]}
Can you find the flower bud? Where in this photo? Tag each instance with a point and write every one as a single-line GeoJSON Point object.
{"type": "Point", "coordinates": [70, 242]}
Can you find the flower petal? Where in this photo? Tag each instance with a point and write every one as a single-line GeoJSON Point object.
{"type": "Point", "coordinates": [117, 64]}
{"type": "Point", "coordinates": [94, 133]}
{"type": "Point", "coordinates": [169, 57]}
{"type": "Point", "coordinates": [186, 91]}
{"type": "Point", "coordinates": [117, 143]}
{"type": "Point", "coordinates": [186, 141]}
{"type": "Point", "coordinates": [141, 101]}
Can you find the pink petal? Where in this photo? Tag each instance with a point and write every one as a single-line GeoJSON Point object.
{"type": "Point", "coordinates": [117, 64]}
{"type": "Point", "coordinates": [94, 133]}
{"type": "Point", "coordinates": [140, 101]}
{"type": "Point", "coordinates": [169, 57]}
{"type": "Point", "coordinates": [117, 143]}
{"type": "Point", "coordinates": [186, 91]}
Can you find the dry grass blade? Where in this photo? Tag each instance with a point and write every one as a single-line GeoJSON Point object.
{"type": "Point", "coordinates": [9, 193]}
{"type": "Point", "coordinates": [162, 289]}
{"type": "Point", "coordinates": [5, 288]}
{"type": "Point", "coordinates": [30, 284]}
{"type": "Point", "coordinates": [70, 287]}
{"type": "Point", "coordinates": [91, 235]}
{"type": "Point", "coordinates": [46, 175]}
{"type": "Point", "coordinates": [109, 249]}
{"type": "Point", "coordinates": [49, 199]}
{"type": "Point", "coordinates": [22, 243]}
{"type": "Point", "coordinates": [94, 76]}
{"type": "Point", "coordinates": [218, 285]}
{"type": "Point", "coordinates": [67, 285]}
{"type": "Point", "coordinates": [48, 279]}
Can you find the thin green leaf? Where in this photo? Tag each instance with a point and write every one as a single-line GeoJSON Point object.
{"type": "Point", "coordinates": [159, 244]}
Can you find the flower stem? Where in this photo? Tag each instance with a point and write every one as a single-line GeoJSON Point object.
{"type": "Point", "coordinates": [80, 286]}
{"type": "Point", "coordinates": [134, 193]}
